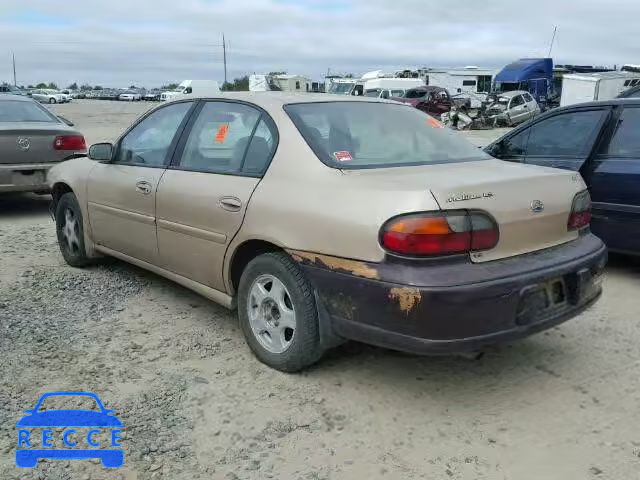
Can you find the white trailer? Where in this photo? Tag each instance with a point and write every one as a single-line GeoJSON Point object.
{"type": "Point", "coordinates": [471, 82]}
{"type": "Point", "coordinates": [588, 87]}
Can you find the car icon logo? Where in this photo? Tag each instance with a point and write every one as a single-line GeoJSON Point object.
{"type": "Point", "coordinates": [24, 144]}
{"type": "Point", "coordinates": [79, 444]}
{"type": "Point", "coordinates": [537, 206]}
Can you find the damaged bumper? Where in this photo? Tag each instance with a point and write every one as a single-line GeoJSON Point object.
{"type": "Point", "coordinates": [455, 306]}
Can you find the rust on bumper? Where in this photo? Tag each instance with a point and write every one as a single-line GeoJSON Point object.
{"type": "Point", "coordinates": [454, 306]}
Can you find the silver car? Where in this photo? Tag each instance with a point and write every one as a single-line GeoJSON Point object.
{"type": "Point", "coordinates": [32, 140]}
{"type": "Point", "coordinates": [48, 96]}
{"type": "Point", "coordinates": [513, 107]}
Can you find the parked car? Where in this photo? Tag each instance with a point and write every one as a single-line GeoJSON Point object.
{"type": "Point", "coordinates": [74, 93]}
{"type": "Point", "coordinates": [512, 108]}
{"type": "Point", "coordinates": [384, 92]}
{"type": "Point", "coordinates": [152, 95]}
{"type": "Point", "coordinates": [430, 99]}
{"type": "Point", "coordinates": [48, 96]}
{"type": "Point", "coordinates": [251, 200]}
{"type": "Point", "coordinates": [32, 140]}
{"type": "Point", "coordinates": [10, 89]}
{"type": "Point", "coordinates": [633, 92]}
{"type": "Point", "coordinates": [600, 141]}
{"type": "Point", "coordinates": [130, 96]}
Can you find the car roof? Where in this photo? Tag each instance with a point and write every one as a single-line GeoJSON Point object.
{"type": "Point", "coordinates": [511, 93]}
{"type": "Point", "coordinates": [612, 102]}
{"type": "Point", "coordinates": [270, 100]}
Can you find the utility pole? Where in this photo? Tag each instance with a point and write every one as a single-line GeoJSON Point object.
{"type": "Point", "coordinates": [15, 83]}
{"type": "Point", "coordinates": [555, 29]}
{"type": "Point", "coordinates": [224, 57]}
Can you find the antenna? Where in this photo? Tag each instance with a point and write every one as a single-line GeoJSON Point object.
{"type": "Point", "coordinates": [555, 29]}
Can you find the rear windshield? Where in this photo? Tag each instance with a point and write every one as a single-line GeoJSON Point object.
{"type": "Point", "coordinates": [353, 135]}
{"type": "Point", "coordinates": [17, 111]}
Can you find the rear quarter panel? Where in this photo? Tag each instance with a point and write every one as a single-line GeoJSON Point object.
{"type": "Point", "coordinates": [302, 204]}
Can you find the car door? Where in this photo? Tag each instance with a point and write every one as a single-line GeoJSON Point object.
{"type": "Point", "coordinates": [204, 193]}
{"type": "Point", "coordinates": [565, 139]}
{"type": "Point", "coordinates": [531, 106]}
{"type": "Point", "coordinates": [614, 182]}
{"type": "Point", "coordinates": [122, 193]}
{"type": "Point", "coordinates": [517, 109]}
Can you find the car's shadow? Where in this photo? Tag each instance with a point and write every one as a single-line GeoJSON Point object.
{"type": "Point", "coordinates": [13, 205]}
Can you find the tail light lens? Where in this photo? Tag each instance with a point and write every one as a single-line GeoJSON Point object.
{"type": "Point", "coordinates": [70, 142]}
{"type": "Point", "coordinates": [440, 233]}
{"type": "Point", "coordinates": [580, 211]}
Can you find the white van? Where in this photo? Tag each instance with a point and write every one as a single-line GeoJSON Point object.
{"type": "Point", "coordinates": [197, 87]}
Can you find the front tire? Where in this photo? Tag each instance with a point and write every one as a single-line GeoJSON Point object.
{"type": "Point", "coordinates": [278, 314]}
{"type": "Point", "coordinates": [52, 100]}
{"type": "Point", "coordinates": [70, 231]}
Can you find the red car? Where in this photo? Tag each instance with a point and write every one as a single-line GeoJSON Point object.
{"type": "Point", "coordinates": [430, 99]}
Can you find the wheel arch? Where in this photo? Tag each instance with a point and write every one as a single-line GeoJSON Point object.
{"type": "Point", "coordinates": [57, 191]}
{"type": "Point", "coordinates": [243, 254]}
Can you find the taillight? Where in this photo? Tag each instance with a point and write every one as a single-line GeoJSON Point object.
{"type": "Point", "coordinates": [440, 233]}
{"type": "Point", "coordinates": [580, 211]}
{"type": "Point", "coordinates": [70, 142]}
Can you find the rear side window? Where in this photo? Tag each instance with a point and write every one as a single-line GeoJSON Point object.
{"type": "Point", "coordinates": [229, 137]}
{"type": "Point", "coordinates": [18, 111]}
{"type": "Point", "coordinates": [351, 135]}
{"type": "Point", "coordinates": [569, 134]}
{"type": "Point", "coordinates": [626, 139]}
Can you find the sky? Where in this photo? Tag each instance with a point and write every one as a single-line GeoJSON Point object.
{"type": "Point", "coordinates": [155, 42]}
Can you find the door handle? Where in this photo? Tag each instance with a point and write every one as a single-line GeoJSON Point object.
{"type": "Point", "coordinates": [232, 204]}
{"type": "Point", "coordinates": [143, 187]}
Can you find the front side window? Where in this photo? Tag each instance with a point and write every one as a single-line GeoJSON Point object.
{"type": "Point", "coordinates": [528, 98]}
{"type": "Point", "coordinates": [147, 144]}
{"type": "Point", "coordinates": [626, 140]}
{"type": "Point", "coordinates": [17, 111]}
{"type": "Point", "coordinates": [569, 134]}
{"type": "Point", "coordinates": [415, 93]}
{"type": "Point", "coordinates": [221, 140]}
{"type": "Point", "coordinates": [374, 93]}
{"type": "Point", "coordinates": [373, 135]}
{"type": "Point", "coordinates": [516, 101]}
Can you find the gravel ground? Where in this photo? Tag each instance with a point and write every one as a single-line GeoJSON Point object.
{"type": "Point", "coordinates": [196, 404]}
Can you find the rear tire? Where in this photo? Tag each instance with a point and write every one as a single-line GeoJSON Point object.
{"type": "Point", "coordinates": [277, 313]}
{"type": "Point", "coordinates": [70, 231]}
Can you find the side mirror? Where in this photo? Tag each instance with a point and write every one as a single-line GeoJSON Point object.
{"type": "Point", "coordinates": [101, 152]}
{"type": "Point", "coordinates": [66, 120]}
{"type": "Point", "coordinates": [30, 410]}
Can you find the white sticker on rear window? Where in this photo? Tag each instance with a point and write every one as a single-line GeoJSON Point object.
{"type": "Point", "coordinates": [343, 156]}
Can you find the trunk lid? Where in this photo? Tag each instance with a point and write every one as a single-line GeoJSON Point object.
{"type": "Point", "coordinates": [530, 204]}
{"type": "Point", "coordinates": [31, 144]}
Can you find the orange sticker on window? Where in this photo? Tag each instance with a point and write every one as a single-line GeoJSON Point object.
{"type": "Point", "coordinates": [433, 123]}
{"type": "Point", "coordinates": [222, 133]}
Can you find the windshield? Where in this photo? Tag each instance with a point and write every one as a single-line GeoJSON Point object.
{"type": "Point", "coordinates": [179, 88]}
{"type": "Point", "coordinates": [373, 135]}
{"type": "Point", "coordinates": [16, 111]}
{"type": "Point", "coordinates": [341, 88]}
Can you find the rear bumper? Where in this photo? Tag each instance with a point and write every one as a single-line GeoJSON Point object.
{"type": "Point", "coordinates": [449, 307]}
{"type": "Point", "coordinates": [24, 177]}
